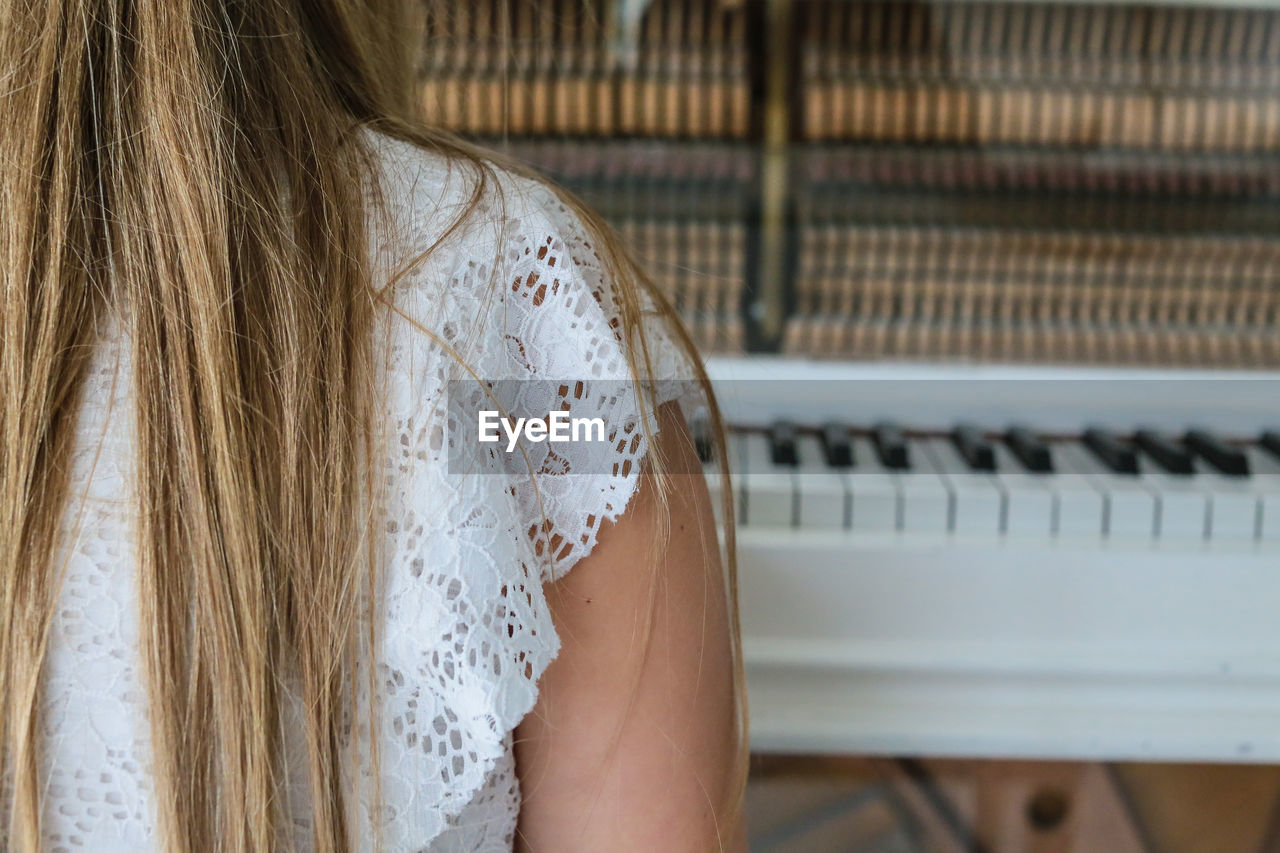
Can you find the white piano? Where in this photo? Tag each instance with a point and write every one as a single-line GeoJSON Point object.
{"type": "Point", "coordinates": [964, 601]}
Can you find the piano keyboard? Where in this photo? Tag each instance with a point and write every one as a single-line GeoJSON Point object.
{"type": "Point", "coordinates": [1144, 486]}
{"type": "Point", "coordinates": [1013, 562]}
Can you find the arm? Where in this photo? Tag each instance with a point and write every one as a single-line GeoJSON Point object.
{"type": "Point", "coordinates": [606, 767]}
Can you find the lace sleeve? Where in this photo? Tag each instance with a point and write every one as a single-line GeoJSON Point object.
{"type": "Point", "coordinates": [518, 311]}
{"type": "Point", "coordinates": [565, 353]}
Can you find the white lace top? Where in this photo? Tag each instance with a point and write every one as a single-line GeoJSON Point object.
{"type": "Point", "coordinates": [465, 630]}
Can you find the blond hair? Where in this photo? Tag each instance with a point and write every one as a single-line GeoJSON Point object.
{"type": "Point", "coordinates": [196, 164]}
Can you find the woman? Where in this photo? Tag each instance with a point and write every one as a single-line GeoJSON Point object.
{"type": "Point", "coordinates": [261, 589]}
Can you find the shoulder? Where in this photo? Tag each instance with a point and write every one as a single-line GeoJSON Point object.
{"type": "Point", "coordinates": [470, 242]}
{"type": "Point", "coordinates": [465, 211]}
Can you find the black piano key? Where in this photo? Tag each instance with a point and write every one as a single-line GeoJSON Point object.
{"type": "Point", "coordinates": [977, 452]}
{"type": "Point", "coordinates": [836, 446]}
{"type": "Point", "coordinates": [1113, 452]}
{"type": "Point", "coordinates": [1271, 441]}
{"type": "Point", "coordinates": [890, 446]}
{"type": "Point", "coordinates": [1166, 451]}
{"type": "Point", "coordinates": [1030, 450]}
{"type": "Point", "coordinates": [782, 443]}
{"type": "Point", "coordinates": [1227, 458]}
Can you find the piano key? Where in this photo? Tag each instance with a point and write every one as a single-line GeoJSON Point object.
{"type": "Point", "coordinates": [1079, 506]}
{"type": "Point", "coordinates": [1029, 449]}
{"type": "Point", "coordinates": [876, 493]}
{"type": "Point", "coordinates": [1182, 506]}
{"type": "Point", "coordinates": [1271, 441]}
{"type": "Point", "coordinates": [977, 503]}
{"type": "Point", "coordinates": [1129, 508]}
{"type": "Point", "coordinates": [1204, 505]}
{"type": "Point", "coordinates": [1233, 507]}
{"type": "Point", "coordinates": [836, 445]}
{"type": "Point", "coordinates": [1080, 510]}
{"type": "Point", "coordinates": [1029, 498]}
{"type": "Point", "coordinates": [1265, 477]}
{"type": "Point", "coordinates": [1111, 450]}
{"type": "Point", "coordinates": [824, 496]}
{"type": "Point", "coordinates": [782, 443]}
{"type": "Point", "coordinates": [1165, 450]}
{"type": "Point", "coordinates": [768, 491]}
{"type": "Point", "coordinates": [974, 447]}
{"type": "Point", "coordinates": [926, 500]}
{"type": "Point", "coordinates": [1237, 505]}
{"type": "Point", "coordinates": [891, 447]}
{"type": "Point", "coordinates": [1227, 458]}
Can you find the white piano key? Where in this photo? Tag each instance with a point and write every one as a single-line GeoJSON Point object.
{"type": "Point", "coordinates": [1234, 511]}
{"type": "Point", "coordinates": [1129, 507]}
{"type": "Point", "coordinates": [1184, 506]}
{"type": "Point", "coordinates": [1080, 509]}
{"type": "Point", "coordinates": [823, 491]}
{"type": "Point", "coordinates": [926, 500]}
{"type": "Point", "coordinates": [1266, 482]}
{"type": "Point", "coordinates": [977, 504]}
{"type": "Point", "coordinates": [1233, 507]}
{"type": "Point", "coordinates": [875, 493]}
{"type": "Point", "coordinates": [1080, 505]}
{"type": "Point", "coordinates": [768, 491]}
{"type": "Point", "coordinates": [1029, 498]}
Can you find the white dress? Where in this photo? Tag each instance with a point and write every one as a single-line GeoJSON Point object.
{"type": "Point", "coordinates": [465, 628]}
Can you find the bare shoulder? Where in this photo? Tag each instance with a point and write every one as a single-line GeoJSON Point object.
{"type": "Point", "coordinates": [631, 745]}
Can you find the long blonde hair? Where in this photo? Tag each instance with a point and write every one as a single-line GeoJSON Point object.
{"type": "Point", "coordinates": [195, 164]}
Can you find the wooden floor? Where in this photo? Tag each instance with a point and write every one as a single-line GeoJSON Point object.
{"type": "Point", "coordinates": [864, 805]}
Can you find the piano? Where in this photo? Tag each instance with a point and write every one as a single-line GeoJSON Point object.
{"type": "Point", "coordinates": [1006, 560]}
{"type": "Point", "coordinates": [991, 297]}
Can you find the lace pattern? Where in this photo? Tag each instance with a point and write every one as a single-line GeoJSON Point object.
{"type": "Point", "coordinates": [465, 631]}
